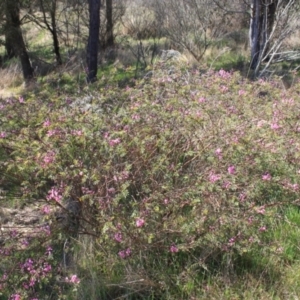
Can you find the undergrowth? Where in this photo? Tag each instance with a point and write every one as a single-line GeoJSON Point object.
{"type": "Point", "coordinates": [187, 185]}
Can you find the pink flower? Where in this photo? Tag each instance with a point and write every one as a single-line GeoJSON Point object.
{"type": "Point", "coordinates": [125, 253]}
{"type": "Point", "coordinates": [173, 249]}
{"type": "Point", "coordinates": [54, 194]}
{"type": "Point", "coordinates": [118, 237]}
{"type": "Point", "coordinates": [266, 177]}
{"type": "Point", "coordinates": [201, 100]}
{"type": "Point", "coordinates": [46, 209]}
{"type": "Point", "coordinates": [214, 177]}
{"type": "Point", "coordinates": [232, 241]}
{"type": "Point", "coordinates": [3, 135]}
{"type": "Point", "coordinates": [21, 99]}
{"type": "Point", "coordinates": [114, 142]}
{"type": "Point", "coordinates": [263, 229]}
{"type": "Point", "coordinates": [25, 242]}
{"type": "Point", "coordinates": [136, 117]}
{"type": "Point", "coordinates": [294, 187]}
{"type": "Point", "coordinates": [47, 123]}
{"type": "Point", "coordinates": [16, 297]}
{"type": "Point", "coordinates": [74, 279]}
{"type": "Point", "coordinates": [226, 185]}
{"type": "Point", "coordinates": [275, 126]}
{"type": "Point", "coordinates": [241, 92]}
{"type": "Point", "coordinates": [47, 268]}
{"type": "Point", "coordinates": [231, 170]}
{"type": "Point", "coordinates": [53, 132]}
{"type": "Point", "coordinates": [140, 222]}
{"type": "Point", "coordinates": [49, 250]}
{"type": "Point", "coordinates": [77, 132]}
{"type": "Point", "coordinates": [224, 89]}
{"type": "Point", "coordinates": [49, 158]}
{"type": "Point", "coordinates": [122, 254]}
{"type": "Point", "coordinates": [261, 210]}
{"type": "Point", "coordinates": [218, 152]}
{"type": "Point", "coordinates": [224, 74]}
{"type": "Point", "coordinates": [32, 282]}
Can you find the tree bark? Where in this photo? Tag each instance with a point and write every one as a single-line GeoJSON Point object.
{"type": "Point", "coordinates": [52, 28]}
{"type": "Point", "coordinates": [109, 25]}
{"type": "Point", "coordinates": [261, 25]}
{"type": "Point", "coordinates": [15, 37]}
{"type": "Point", "coordinates": [10, 53]}
{"type": "Point", "coordinates": [255, 32]}
{"type": "Point", "coordinates": [92, 47]}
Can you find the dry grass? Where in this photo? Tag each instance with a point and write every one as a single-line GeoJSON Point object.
{"type": "Point", "coordinates": [11, 82]}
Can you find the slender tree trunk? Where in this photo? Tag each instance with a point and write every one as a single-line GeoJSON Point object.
{"type": "Point", "coordinates": [15, 37]}
{"type": "Point", "coordinates": [109, 25]}
{"type": "Point", "coordinates": [54, 33]}
{"type": "Point", "coordinates": [92, 47]}
{"type": "Point", "coordinates": [261, 26]}
{"type": "Point", "coordinates": [52, 28]}
{"type": "Point", "coordinates": [255, 33]}
{"type": "Point", "coordinates": [55, 41]}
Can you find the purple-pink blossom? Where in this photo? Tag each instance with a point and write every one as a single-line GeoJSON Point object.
{"type": "Point", "coordinates": [275, 126]}
{"type": "Point", "coordinates": [224, 89]}
{"type": "Point", "coordinates": [114, 142]}
{"type": "Point", "coordinates": [231, 170]}
{"type": "Point", "coordinates": [54, 194]}
{"type": "Point", "coordinates": [222, 73]}
{"type": "Point", "coordinates": [173, 249]}
{"type": "Point", "coordinates": [118, 237]}
{"type": "Point", "coordinates": [261, 210]}
{"type": "Point", "coordinates": [266, 177]}
{"type": "Point", "coordinates": [242, 92]}
{"type": "Point", "coordinates": [47, 123]}
{"type": "Point", "coordinates": [218, 152]}
{"type": "Point", "coordinates": [53, 132]}
{"type": "Point", "coordinates": [49, 250]}
{"type": "Point", "coordinates": [232, 241]}
{"type": "Point", "coordinates": [3, 134]}
{"type": "Point", "coordinates": [46, 210]}
{"type": "Point", "coordinates": [263, 229]}
{"type": "Point", "coordinates": [140, 222]}
{"type": "Point", "coordinates": [48, 158]}
{"type": "Point", "coordinates": [74, 279]}
{"type": "Point", "coordinates": [77, 132]}
{"type": "Point", "coordinates": [214, 177]}
{"type": "Point", "coordinates": [125, 253]}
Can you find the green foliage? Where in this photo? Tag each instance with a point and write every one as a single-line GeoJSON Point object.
{"type": "Point", "coordinates": [185, 179]}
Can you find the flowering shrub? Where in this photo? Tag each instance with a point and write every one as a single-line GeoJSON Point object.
{"type": "Point", "coordinates": [189, 169]}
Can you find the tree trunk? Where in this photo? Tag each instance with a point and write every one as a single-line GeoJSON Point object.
{"type": "Point", "coordinates": [92, 47]}
{"type": "Point", "coordinates": [15, 37]}
{"type": "Point", "coordinates": [255, 33]}
{"type": "Point", "coordinates": [52, 28]}
{"type": "Point", "coordinates": [10, 53]}
{"type": "Point", "coordinates": [55, 40]}
{"type": "Point", "coordinates": [109, 25]}
{"type": "Point", "coordinates": [261, 25]}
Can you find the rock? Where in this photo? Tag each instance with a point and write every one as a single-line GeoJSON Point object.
{"type": "Point", "coordinates": [170, 55]}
